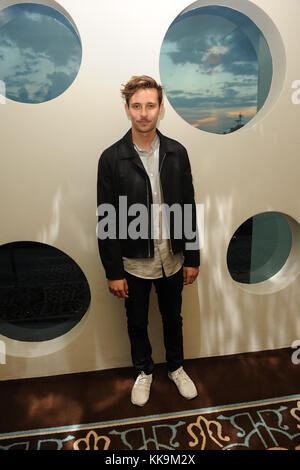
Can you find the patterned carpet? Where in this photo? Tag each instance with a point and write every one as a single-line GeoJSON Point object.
{"type": "Point", "coordinates": [246, 402]}
{"type": "Point", "coordinates": [262, 425]}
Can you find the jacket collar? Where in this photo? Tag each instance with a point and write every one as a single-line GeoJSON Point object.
{"type": "Point", "coordinates": [127, 149]}
{"type": "Point", "coordinates": [127, 146]}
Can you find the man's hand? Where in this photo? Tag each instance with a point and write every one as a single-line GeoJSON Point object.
{"type": "Point", "coordinates": [189, 275]}
{"type": "Point", "coordinates": [119, 288]}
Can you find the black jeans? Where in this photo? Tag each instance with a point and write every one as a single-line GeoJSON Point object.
{"type": "Point", "coordinates": [169, 293]}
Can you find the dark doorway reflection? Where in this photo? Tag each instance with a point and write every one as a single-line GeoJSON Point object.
{"type": "Point", "coordinates": [239, 253]}
{"type": "Point", "coordinates": [259, 248]}
{"type": "Point", "coordinates": [43, 292]}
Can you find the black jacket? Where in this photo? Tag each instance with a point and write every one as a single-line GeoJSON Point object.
{"type": "Point", "coordinates": [121, 173]}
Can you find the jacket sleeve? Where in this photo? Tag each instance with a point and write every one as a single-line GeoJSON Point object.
{"type": "Point", "coordinates": [191, 235]}
{"type": "Point", "coordinates": [107, 227]}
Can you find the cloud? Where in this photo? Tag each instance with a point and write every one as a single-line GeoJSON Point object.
{"type": "Point", "coordinates": [240, 83]}
{"type": "Point", "coordinates": [209, 67]}
{"type": "Point", "coordinates": [40, 56]}
{"type": "Point", "coordinates": [204, 120]}
{"type": "Point", "coordinates": [230, 99]}
{"type": "Point", "coordinates": [58, 81]}
{"type": "Point", "coordinates": [23, 94]}
{"type": "Point", "coordinates": [208, 39]}
{"type": "Point", "coordinates": [251, 111]}
{"type": "Point", "coordinates": [33, 16]}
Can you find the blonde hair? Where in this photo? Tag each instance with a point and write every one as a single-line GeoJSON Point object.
{"type": "Point", "coordinates": [139, 82]}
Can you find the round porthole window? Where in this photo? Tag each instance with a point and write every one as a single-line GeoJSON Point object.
{"type": "Point", "coordinates": [40, 52]}
{"type": "Point", "coordinates": [43, 292]}
{"type": "Point", "coordinates": [259, 248]}
{"type": "Point", "coordinates": [216, 68]}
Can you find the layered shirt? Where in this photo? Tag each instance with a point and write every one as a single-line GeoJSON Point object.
{"type": "Point", "coordinates": [164, 260]}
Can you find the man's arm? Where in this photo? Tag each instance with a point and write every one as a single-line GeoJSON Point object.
{"type": "Point", "coordinates": [108, 242]}
{"type": "Point", "coordinates": [119, 288]}
{"type": "Point", "coordinates": [189, 275]}
{"type": "Point", "coordinates": [192, 251]}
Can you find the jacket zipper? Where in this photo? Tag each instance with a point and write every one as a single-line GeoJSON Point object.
{"type": "Point", "coordinates": [149, 217]}
{"type": "Point", "coordinates": [171, 248]}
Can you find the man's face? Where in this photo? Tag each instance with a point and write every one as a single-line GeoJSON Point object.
{"type": "Point", "coordinates": [144, 109]}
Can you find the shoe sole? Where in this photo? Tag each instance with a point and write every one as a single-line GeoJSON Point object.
{"type": "Point", "coordinates": [139, 404]}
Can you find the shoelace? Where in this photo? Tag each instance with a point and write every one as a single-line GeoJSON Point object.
{"type": "Point", "coordinates": [181, 375]}
{"type": "Point", "coordinates": [144, 381]}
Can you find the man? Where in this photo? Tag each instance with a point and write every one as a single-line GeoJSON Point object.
{"type": "Point", "coordinates": [148, 170]}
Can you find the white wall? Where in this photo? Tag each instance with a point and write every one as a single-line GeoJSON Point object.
{"type": "Point", "coordinates": [49, 157]}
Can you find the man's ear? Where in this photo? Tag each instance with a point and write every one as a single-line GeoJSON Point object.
{"type": "Point", "coordinates": [161, 108]}
{"type": "Point", "coordinates": [126, 109]}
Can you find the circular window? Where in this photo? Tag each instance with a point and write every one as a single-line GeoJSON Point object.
{"type": "Point", "coordinates": [259, 248]}
{"type": "Point", "coordinates": [40, 52]}
{"type": "Point", "coordinates": [43, 292]}
{"type": "Point", "coordinates": [216, 68]}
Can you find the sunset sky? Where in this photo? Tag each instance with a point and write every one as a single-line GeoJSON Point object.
{"type": "Point", "coordinates": [209, 67]}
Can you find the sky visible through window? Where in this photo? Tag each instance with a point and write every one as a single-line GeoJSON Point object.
{"type": "Point", "coordinates": [40, 52]}
{"type": "Point", "coordinates": [216, 68]}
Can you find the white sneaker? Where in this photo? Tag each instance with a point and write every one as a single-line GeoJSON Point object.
{"type": "Point", "coordinates": [141, 390]}
{"type": "Point", "coordinates": [185, 385]}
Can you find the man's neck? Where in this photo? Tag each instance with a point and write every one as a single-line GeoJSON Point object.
{"type": "Point", "coordinates": [143, 139]}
